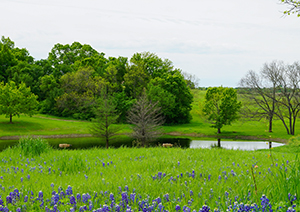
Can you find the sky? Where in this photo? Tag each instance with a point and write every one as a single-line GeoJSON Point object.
{"type": "Point", "coordinates": [217, 41]}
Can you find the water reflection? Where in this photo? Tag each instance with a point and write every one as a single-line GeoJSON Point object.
{"type": "Point", "coordinates": [242, 145]}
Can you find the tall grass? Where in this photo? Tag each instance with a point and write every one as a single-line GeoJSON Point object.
{"type": "Point", "coordinates": [189, 177]}
{"type": "Point", "coordinates": [33, 146]}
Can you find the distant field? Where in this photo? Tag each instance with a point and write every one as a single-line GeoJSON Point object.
{"type": "Point", "coordinates": [51, 125]}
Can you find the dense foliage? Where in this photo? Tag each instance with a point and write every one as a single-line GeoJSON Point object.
{"type": "Point", "coordinates": [221, 106]}
{"type": "Point", "coordinates": [70, 80]}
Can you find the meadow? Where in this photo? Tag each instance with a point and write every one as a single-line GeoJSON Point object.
{"type": "Point", "coordinates": [148, 179]}
{"type": "Point", "coordinates": [41, 124]}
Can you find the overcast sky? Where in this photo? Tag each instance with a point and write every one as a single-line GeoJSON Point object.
{"type": "Point", "coordinates": [219, 41]}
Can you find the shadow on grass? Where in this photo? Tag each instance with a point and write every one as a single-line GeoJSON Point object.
{"type": "Point", "coordinates": [20, 126]}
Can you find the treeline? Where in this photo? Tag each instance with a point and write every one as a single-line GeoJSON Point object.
{"type": "Point", "coordinates": [72, 78]}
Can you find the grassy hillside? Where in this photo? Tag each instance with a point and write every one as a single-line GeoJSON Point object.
{"type": "Point", "coordinates": [50, 125]}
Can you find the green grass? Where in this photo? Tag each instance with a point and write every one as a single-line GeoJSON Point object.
{"type": "Point", "coordinates": [216, 172]}
{"type": "Point", "coordinates": [199, 127]}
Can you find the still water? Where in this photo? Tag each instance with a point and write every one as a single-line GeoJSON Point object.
{"type": "Point", "coordinates": [91, 142]}
{"type": "Point", "coordinates": [242, 145]}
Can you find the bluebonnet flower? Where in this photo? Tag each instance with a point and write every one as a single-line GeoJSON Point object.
{"type": "Point", "coordinates": [8, 199]}
{"type": "Point", "coordinates": [124, 198]}
{"type": "Point", "coordinates": [28, 177]}
{"type": "Point", "coordinates": [69, 190]}
{"type": "Point", "coordinates": [40, 195]}
{"type": "Point", "coordinates": [177, 208]}
{"type": "Point", "coordinates": [21, 179]}
{"type": "Point", "coordinates": [132, 197]}
{"type": "Point", "coordinates": [204, 208]}
{"type": "Point", "coordinates": [111, 197]}
{"type": "Point", "coordinates": [166, 196]}
{"type": "Point", "coordinates": [72, 200]}
{"type": "Point", "coordinates": [25, 198]}
{"type": "Point", "coordinates": [84, 198]}
{"type": "Point", "coordinates": [78, 197]}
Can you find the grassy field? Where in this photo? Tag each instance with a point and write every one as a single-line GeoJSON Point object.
{"type": "Point", "coordinates": [149, 179]}
{"type": "Point", "coordinates": [50, 125]}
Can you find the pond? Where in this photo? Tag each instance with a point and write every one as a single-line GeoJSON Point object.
{"type": "Point", "coordinates": [242, 145]}
{"type": "Point", "coordinates": [91, 142]}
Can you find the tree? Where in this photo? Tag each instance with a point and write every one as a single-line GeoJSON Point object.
{"type": "Point", "coordinates": [146, 119]}
{"type": "Point", "coordinates": [260, 92]}
{"type": "Point", "coordinates": [221, 106]}
{"type": "Point", "coordinates": [294, 7]}
{"type": "Point", "coordinates": [276, 92]}
{"type": "Point", "coordinates": [191, 80]}
{"type": "Point", "coordinates": [80, 91]}
{"type": "Point", "coordinates": [106, 116]}
{"type": "Point", "coordinates": [16, 100]}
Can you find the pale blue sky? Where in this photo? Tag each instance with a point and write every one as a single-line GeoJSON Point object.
{"type": "Point", "coordinates": [218, 41]}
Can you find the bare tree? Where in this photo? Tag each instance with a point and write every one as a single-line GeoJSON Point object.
{"type": "Point", "coordinates": [273, 92]}
{"type": "Point", "coordinates": [288, 101]}
{"type": "Point", "coordinates": [146, 118]}
{"type": "Point", "coordinates": [106, 115]}
{"type": "Point", "coordinates": [260, 92]}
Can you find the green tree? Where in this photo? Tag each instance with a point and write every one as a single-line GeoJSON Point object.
{"type": "Point", "coordinates": [106, 116]}
{"type": "Point", "coordinates": [63, 57]}
{"type": "Point", "coordinates": [80, 91]}
{"type": "Point", "coordinates": [146, 119]}
{"type": "Point", "coordinates": [145, 68]}
{"type": "Point", "coordinates": [294, 7]}
{"type": "Point", "coordinates": [221, 106]}
{"type": "Point", "coordinates": [16, 100]}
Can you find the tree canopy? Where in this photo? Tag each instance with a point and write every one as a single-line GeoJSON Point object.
{"type": "Point", "coordinates": [69, 81]}
{"type": "Point", "coordinates": [16, 100]}
{"type": "Point", "coordinates": [221, 106]}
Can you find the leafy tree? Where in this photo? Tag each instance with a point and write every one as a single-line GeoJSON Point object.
{"type": "Point", "coordinates": [63, 57]}
{"type": "Point", "coordinates": [221, 106]}
{"type": "Point", "coordinates": [146, 119]}
{"type": "Point", "coordinates": [145, 68]}
{"type": "Point", "coordinates": [294, 7]}
{"type": "Point", "coordinates": [80, 91]}
{"type": "Point", "coordinates": [16, 100]}
{"type": "Point", "coordinates": [106, 116]}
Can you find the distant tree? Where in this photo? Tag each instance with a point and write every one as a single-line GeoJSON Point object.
{"type": "Point", "coordinates": [106, 116]}
{"type": "Point", "coordinates": [146, 119]}
{"type": "Point", "coordinates": [191, 80]}
{"type": "Point", "coordinates": [260, 92]}
{"type": "Point", "coordinates": [276, 93]}
{"type": "Point", "coordinates": [221, 106]}
{"type": "Point", "coordinates": [294, 7]}
{"type": "Point", "coordinates": [16, 100]}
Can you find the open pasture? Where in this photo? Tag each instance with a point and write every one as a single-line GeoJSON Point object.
{"type": "Point", "coordinates": [149, 179]}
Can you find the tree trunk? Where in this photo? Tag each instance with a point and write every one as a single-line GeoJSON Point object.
{"type": "Point", "coordinates": [10, 118]}
{"type": "Point", "coordinates": [270, 124]}
{"type": "Point", "coordinates": [219, 130]}
{"type": "Point", "coordinates": [219, 142]}
{"type": "Point", "coordinates": [106, 142]}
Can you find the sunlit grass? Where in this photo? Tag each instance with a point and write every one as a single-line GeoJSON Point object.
{"type": "Point", "coordinates": [191, 177]}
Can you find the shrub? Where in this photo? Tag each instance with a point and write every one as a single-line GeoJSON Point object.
{"type": "Point", "coordinates": [33, 146]}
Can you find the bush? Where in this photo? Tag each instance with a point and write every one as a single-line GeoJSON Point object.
{"type": "Point", "coordinates": [33, 146]}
